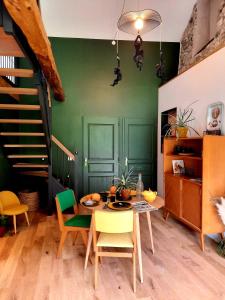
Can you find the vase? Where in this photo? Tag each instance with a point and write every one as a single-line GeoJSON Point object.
{"type": "Point", "coordinates": [182, 132]}
{"type": "Point", "coordinates": [125, 194]}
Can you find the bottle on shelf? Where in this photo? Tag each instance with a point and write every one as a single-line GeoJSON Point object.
{"type": "Point", "coordinates": [139, 187]}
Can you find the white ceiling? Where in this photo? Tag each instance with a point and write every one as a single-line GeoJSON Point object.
{"type": "Point", "coordinates": [97, 19]}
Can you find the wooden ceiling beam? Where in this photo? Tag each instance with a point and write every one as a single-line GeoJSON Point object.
{"type": "Point", "coordinates": [26, 15]}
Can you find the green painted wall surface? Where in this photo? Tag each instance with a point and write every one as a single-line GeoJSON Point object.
{"type": "Point", "coordinates": [86, 69]}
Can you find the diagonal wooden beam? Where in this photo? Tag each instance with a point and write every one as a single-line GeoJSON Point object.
{"type": "Point", "coordinates": [5, 84]}
{"type": "Point", "coordinates": [26, 15]}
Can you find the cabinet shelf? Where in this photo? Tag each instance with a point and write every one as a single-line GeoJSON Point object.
{"type": "Point", "coordinates": [184, 177]}
{"type": "Point", "coordinates": [176, 156]}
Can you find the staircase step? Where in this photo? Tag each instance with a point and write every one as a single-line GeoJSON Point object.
{"type": "Point", "coordinates": [27, 156]}
{"type": "Point", "coordinates": [18, 91]}
{"type": "Point", "coordinates": [35, 173]}
{"type": "Point", "coordinates": [19, 107]}
{"type": "Point", "coordinates": [20, 121]}
{"type": "Point", "coordinates": [16, 72]}
{"type": "Point", "coordinates": [22, 134]}
{"type": "Point", "coordinates": [28, 165]}
{"type": "Point", "coordinates": [24, 146]}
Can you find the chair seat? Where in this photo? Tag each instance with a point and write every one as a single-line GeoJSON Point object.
{"type": "Point", "coordinates": [15, 209]}
{"type": "Point", "coordinates": [79, 221]}
{"type": "Point", "coordinates": [121, 240]}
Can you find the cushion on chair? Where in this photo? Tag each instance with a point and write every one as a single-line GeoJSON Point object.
{"type": "Point", "coordinates": [15, 209]}
{"type": "Point", "coordinates": [79, 221]}
{"type": "Point", "coordinates": [123, 240]}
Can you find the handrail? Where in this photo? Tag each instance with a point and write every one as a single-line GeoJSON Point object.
{"type": "Point", "coordinates": [63, 148]}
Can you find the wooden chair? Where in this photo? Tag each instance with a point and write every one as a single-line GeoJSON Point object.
{"type": "Point", "coordinates": [10, 206]}
{"type": "Point", "coordinates": [114, 229]}
{"type": "Point", "coordinates": [78, 223]}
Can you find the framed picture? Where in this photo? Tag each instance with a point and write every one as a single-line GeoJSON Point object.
{"type": "Point", "coordinates": [215, 115]}
{"type": "Point", "coordinates": [167, 118]}
{"type": "Point", "coordinates": [178, 166]}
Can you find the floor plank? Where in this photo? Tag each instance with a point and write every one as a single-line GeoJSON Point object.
{"type": "Point", "coordinates": [178, 269]}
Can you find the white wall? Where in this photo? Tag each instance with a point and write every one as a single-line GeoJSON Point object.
{"type": "Point", "coordinates": [204, 82]}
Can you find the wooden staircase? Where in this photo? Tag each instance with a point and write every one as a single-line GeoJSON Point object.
{"type": "Point", "coordinates": [27, 141]}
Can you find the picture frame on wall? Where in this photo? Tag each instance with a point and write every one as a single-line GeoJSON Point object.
{"type": "Point", "coordinates": [215, 118]}
{"type": "Point", "coordinates": [167, 119]}
{"type": "Point", "coordinates": [178, 166]}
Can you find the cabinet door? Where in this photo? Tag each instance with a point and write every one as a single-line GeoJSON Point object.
{"type": "Point", "coordinates": [173, 186]}
{"type": "Point", "coordinates": [191, 203]}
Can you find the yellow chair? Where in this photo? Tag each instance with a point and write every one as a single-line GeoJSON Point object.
{"type": "Point", "coordinates": [114, 229]}
{"type": "Point", "coordinates": [78, 223]}
{"type": "Point", "coordinates": [10, 206]}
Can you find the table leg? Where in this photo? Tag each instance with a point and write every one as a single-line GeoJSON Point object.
{"type": "Point", "coordinates": [150, 230]}
{"type": "Point", "coordinates": [90, 237]}
{"type": "Point", "coordinates": [139, 247]}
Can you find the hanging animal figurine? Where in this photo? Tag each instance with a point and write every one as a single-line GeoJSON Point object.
{"type": "Point", "coordinates": [117, 72]}
{"type": "Point", "coordinates": [139, 53]}
{"type": "Point", "coordinates": [160, 68]}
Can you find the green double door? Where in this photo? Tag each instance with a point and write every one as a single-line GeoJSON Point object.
{"type": "Point", "coordinates": [113, 143]}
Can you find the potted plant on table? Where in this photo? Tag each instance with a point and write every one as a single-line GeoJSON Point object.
{"type": "Point", "coordinates": [181, 123]}
{"type": "Point", "coordinates": [125, 183]}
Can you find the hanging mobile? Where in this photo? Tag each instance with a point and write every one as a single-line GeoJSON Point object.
{"type": "Point", "coordinates": [160, 67]}
{"type": "Point", "coordinates": [139, 53]}
{"type": "Point", "coordinates": [117, 70]}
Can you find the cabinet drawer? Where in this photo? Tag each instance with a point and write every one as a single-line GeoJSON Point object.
{"type": "Point", "coordinates": [191, 203]}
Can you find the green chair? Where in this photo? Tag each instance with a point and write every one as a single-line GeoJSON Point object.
{"type": "Point", "coordinates": [78, 223]}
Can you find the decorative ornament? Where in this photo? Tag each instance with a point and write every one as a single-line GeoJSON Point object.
{"type": "Point", "coordinates": [139, 53]}
{"type": "Point", "coordinates": [117, 70]}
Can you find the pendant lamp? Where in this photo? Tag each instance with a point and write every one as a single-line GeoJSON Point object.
{"type": "Point", "coordinates": [139, 22]}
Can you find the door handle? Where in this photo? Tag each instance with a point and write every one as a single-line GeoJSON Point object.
{"type": "Point", "coordinates": [85, 162]}
{"type": "Point", "coordinates": [126, 162]}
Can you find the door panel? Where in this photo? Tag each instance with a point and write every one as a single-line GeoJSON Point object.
{"type": "Point", "coordinates": [139, 149]}
{"type": "Point", "coordinates": [100, 153]}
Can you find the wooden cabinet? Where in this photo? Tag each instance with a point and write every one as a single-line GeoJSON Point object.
{"type": "Point", "coordinates": [187, 199]}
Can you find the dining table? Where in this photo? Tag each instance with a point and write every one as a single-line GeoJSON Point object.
{"type": "Point", "coordinates": [158, 203]}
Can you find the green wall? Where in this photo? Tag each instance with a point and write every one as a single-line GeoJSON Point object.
{"type": "Point", "coordinates": [86, 69]}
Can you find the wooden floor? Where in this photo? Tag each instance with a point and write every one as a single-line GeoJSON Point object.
{"type": "Point", "coordinates": [178, 270]}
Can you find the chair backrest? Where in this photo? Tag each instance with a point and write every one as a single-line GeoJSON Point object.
{"type": "Point", "coordinates": [114, 222]}
{"type": "Point", "coordinates": [66, 199]}
{"type": "Point", "coordinates": [7, 199]}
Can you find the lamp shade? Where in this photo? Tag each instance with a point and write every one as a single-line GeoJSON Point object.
{"type": "Point", "coordinates": [142, 21]}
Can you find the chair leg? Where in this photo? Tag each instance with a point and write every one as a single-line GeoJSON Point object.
{"type": "Point", "coordinates": [14, 223]}
{"type": "Point", "coordinates": [134, 272]}
{"type": "Point", "coordinates": [26, 215]}
{"type": "Point", "coordinates": [90, 237]}
{"type": "Point", "coordinates": [61, 243]}
{"type": "Point", "coordinates": [100, 257]}
{"type": "Point", "coordinates": [75, 237]}
{"type": "Point", "coordinates": [96, 269]}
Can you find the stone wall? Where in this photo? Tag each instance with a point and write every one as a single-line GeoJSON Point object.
{"type": "Point", "coordinates": [187, 58]}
